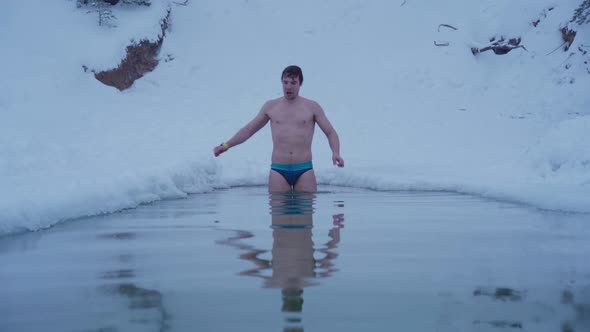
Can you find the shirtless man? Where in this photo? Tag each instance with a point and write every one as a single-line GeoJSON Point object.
{"type": "Point", "coordinates": [292, 120]}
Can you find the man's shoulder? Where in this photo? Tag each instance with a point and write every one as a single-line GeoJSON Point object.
{"type": "Point", "coordinates": [269, 105]}
{"type": "Point", "coordinates": [272, 102]}
{"type": "Point", "coordinates": [311, 104]}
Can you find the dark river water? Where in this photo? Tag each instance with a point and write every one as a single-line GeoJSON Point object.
{"type": "Point", "coordinates": [343, 259]}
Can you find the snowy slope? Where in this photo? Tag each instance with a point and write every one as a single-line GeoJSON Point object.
{"type": "Point", "coordinates": [410, 115]}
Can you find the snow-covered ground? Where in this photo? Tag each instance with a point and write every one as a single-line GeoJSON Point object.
{"type": "Point", "coordinates": [410, 115]}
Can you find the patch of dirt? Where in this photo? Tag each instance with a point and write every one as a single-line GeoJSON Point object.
{"type": "Point", "coordinates": [141, 58]}
{"type": "Point", "coordinates": [500, 46]}
{"type": "Point", "coordinates": [568, 35]}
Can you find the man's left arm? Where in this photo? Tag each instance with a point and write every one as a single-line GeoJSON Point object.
{"type": "Point", "coordinates": [330, 132]}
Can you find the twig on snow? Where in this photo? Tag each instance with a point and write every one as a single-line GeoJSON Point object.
{"type": "Point", "coordinates": [446, 26]}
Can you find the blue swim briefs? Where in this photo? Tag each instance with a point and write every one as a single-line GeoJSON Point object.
{"type": "Point", "coordinates": [291, 172]}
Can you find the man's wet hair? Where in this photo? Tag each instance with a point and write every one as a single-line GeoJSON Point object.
{"type": "Point", "coordinates": [293, 71]}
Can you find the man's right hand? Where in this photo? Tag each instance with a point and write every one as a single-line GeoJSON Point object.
{"type": "Point", "coordinates": [218, 149]}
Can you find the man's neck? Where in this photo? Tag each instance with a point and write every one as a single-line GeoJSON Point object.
{"type": "Point", "coordinates": [292, 100]}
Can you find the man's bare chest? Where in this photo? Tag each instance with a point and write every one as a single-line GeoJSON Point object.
{"type": "Point", "coordinates": [296, 117]}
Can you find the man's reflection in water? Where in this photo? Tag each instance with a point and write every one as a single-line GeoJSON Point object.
{"type": "Point", "coordinates": [293, 265]}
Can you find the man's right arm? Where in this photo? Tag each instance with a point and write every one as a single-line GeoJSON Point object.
{"type": "Point", "coordinates": [245, 132]}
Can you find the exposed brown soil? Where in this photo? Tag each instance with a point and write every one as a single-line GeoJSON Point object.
{"type": "Point", "coordinates": [141, 58]}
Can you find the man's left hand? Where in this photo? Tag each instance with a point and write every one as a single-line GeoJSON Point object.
{"type": "Point", "coordinates": [337, 160]}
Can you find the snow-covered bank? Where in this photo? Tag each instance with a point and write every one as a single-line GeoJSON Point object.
{"type": "Point", "coordinates": [410, 115]}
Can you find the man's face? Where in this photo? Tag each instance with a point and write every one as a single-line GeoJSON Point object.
{"type": "Point", "coordinates": [291, 87]}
